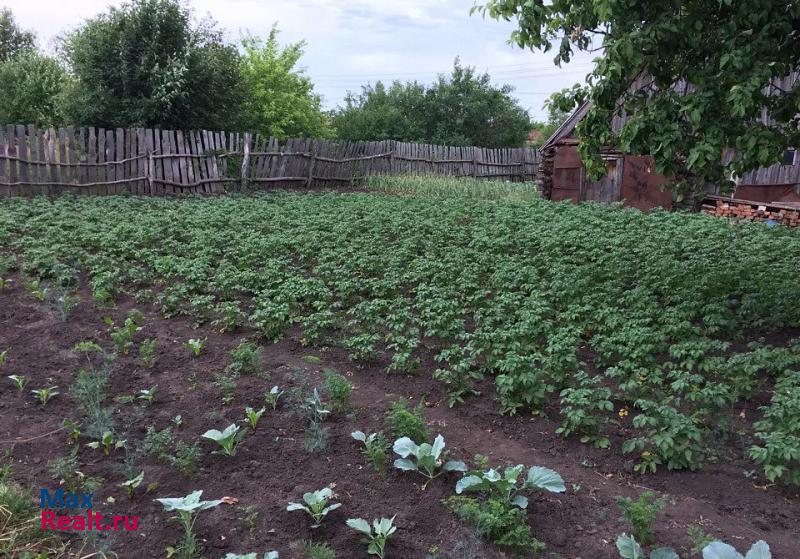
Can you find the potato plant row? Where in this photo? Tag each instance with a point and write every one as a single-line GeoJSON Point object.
{"type": "Point", "coordinates": [646, 332]}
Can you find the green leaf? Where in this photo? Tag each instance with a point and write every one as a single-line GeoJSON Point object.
{"type": "Point", "coordinates": [467, 482]}
{"type": "Point", "coordinates": [628, 547]}
{"type": "Point", "coordinates": [454, 466]}
{"type": "Point", "coordinates": [405, 447]}
{"type": "Point", "coordinates": [545, 478]}
{"type": "Point", "coordinates": [520, 501]}
{"type": "Point", "coordinates": [360, 525]}
{"type": "Point", "coordinates": [664, 553]}
{"type": "Point", "coordinates": [720, 550]}
{"type": "Point", "coordinates": [760, 550]}
{"type": "Point", "coordinates": [405, 464]}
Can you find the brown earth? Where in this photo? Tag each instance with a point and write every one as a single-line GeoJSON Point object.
{"type": "Point", "coordinates": [272, 467]}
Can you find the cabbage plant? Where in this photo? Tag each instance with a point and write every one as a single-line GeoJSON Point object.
{"type": "Point", "coordinates": [228, 439]}
{"type": "Point", "coordinates": [429, 460]}
{"type": "Point", "coordinates": [187, 509]}
{"type": "Point", "coordinates": [316, 505]}
{"type": "Point", "coordinates": [507, 484]}
{"type": "Point", "coordinates": [629, 548]}
{"type": "Point", "coordinates": [375, 536]}
{"type": "Point", "coordinates": [721, 550]}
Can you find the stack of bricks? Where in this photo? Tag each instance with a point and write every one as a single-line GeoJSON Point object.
{"type": "Point", "coordinates": [753, 212]}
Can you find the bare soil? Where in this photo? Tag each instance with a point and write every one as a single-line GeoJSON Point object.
{"type": "Point", "coordinates": [272, 467]}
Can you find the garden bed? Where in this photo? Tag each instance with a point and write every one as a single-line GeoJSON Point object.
{"type": "Point", "coordinates": [728, 497]}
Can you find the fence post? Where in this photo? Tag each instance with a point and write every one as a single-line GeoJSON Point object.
{"type": "Point", "coordinates": [245, 161]}
{"type": "Point", "coordinates": [313, 151]}
{"type": "Point", "coordinates": [474, 162]}
{"type": "Point", "coordinates": [151, 168]}
{"type": "Point", "coordinates": [393, 144]}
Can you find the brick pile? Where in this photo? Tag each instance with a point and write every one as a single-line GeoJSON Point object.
{"type": "Point", "coordinates": [753, 212]}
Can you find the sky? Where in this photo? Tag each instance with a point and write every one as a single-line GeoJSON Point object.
{"type": "Point", "coordinates": [354, 42]}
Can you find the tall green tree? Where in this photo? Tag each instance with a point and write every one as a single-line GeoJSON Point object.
{"type": "Point", "coordinates": [280, 99]}
{"type": "Point", "coordinates": [12, 38]}
{"type": "Point", "coordinates": [31, 86]}
{"type": "Point", "coordinates": [734, 54]}
{"type": "Point", "coordinates": [148, 63]}
{"type": "Point", "coordinates": [462, 108]}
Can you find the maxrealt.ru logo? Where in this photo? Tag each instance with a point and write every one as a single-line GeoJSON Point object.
{"type": "Point", "coordinates": [87, 520]}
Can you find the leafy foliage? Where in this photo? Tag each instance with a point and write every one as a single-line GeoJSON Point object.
{"type": "Point", "coordinates": [280, 100]}
{"type": "Point", "coordinates": [13, 39]}
{"type": "Point", "coordinates": [640, 514]}
{"type": "Point", "coordinates": [338, 389]}
{"type": "Point", "coordinates": [146, 63]}
{"type": "Point", "coordinates": [430, 460]}
{"type": "Point", "coordinates": [316, 505]}
{"type": "Point", "coordinates": [779, 431]}
{"type": "Point", "coordinates": [517, 291]}
{"type": "Point", "coordinates": [497, 520]}
{"type": "Point", "coordinates": [375, 536]}
{"type": "Point", "coordinates": [729, 52]}
{"type": "Point", "coordinates": [408, 422]}
{"type": "Point", "coordinates": [376, 449]}
{"type": "Point", "coordinates": [31, 85]}
{"type": "Point", "coordinates": [461, 109]}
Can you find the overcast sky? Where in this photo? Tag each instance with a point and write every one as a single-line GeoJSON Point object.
{"type": "Point", "coordinates": [352, 42]}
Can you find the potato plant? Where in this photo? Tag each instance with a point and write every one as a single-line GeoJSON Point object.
{"type": "Point", "coordinates": [516, 291]}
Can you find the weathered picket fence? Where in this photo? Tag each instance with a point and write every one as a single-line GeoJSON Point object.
{"type": "Point", "coordinates": [148, 161]}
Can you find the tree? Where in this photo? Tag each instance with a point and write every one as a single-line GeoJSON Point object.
{"type": "Point", "coordinates": [706, 70]}
{"type": "Point", "coordinates": [280, 100]}
{"type": "Point", "coordinates": [30, 87]}
{"type": "Point", "coordinates": [147, 63]}
{"type": "Point", "coordinates": [12, 38]}
{"type": "Point", "coordinates": [463, 108]}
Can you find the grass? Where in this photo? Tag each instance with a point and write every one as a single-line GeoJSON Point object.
{"type": "Point", "coordinates": [445, 187]}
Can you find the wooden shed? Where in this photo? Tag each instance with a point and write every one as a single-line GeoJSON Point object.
{"type": "Point", "coordinates": [632, 180]}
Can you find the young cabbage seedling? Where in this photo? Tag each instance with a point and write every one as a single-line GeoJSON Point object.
{"type": "Point", "coordinates": [19, 381]}
{"type": "Point", "coordinates": [228, 439]}
{"type": "Point", "coordinates": [196, 345]}
{"type": "Point", "coordinates": [187, 509]}
{"type": "Point", "coordinates": [177, 421]}
{"type": "Point", "coordinates": [629, 548]}
{"type": "Point", "coordinates": [254, 555]}
{"type": "Point", "coordinates": [429, 458]}
{"type": "Point", "coordinates": [107, 442]}
{"type": "Point", "coordinates": [506, 485]}
{"type": "Point", "coordinates": [316, 505]}
{"type": "Point", "coordinates": [271, 397]}
{"type": "Point", "coordinates": [130, 486]}
{"type": "Point", "coordinates": [721, 550]}
{"type": "Point", "coordinates": [44, 394]}
{"type": "Point", "coordinates": [148, 394]}
{"type": "Point", "coordinates": [375, 536]}
{"type": "Point", "coordinates": [252, 416]}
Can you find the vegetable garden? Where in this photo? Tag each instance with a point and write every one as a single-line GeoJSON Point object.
{"type": "Point", "coordinates": [479, 376]}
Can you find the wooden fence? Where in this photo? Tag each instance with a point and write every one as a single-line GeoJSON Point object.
{"type": "Point", "coordinates": [158, 162]}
